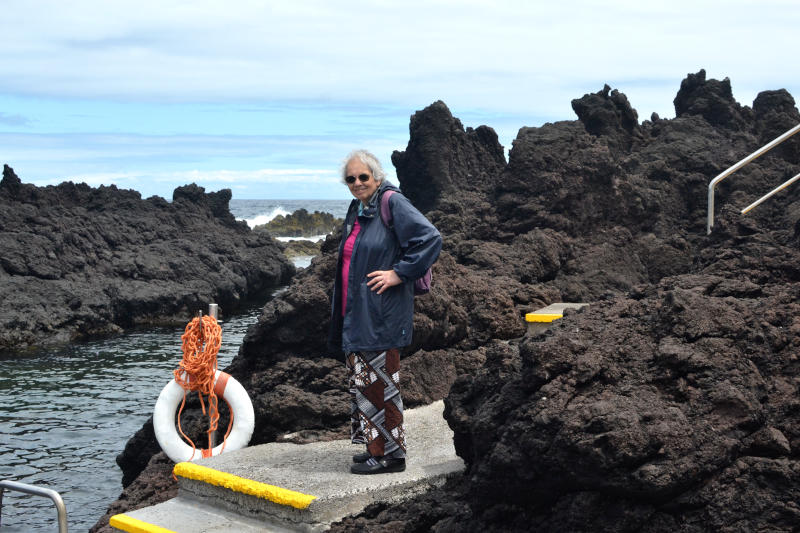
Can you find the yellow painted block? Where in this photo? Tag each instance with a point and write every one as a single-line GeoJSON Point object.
{"type": "Point", "coordinates": [127, 523]}
{"type": "Point", "coordinates": [278, 495]}
{"type": "Point", "coordinates": [542, 317]}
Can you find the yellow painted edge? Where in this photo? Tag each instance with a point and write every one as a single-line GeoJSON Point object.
{"type": "Point", "coordinates": [127, 523]}
{"type": "Point", "coordinates": [542, 317]}
{"type": "Point", "coordinates": [298, 500]}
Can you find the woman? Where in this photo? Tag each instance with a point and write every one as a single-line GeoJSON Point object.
{"type": "Point", "coordinates": [373, 307]}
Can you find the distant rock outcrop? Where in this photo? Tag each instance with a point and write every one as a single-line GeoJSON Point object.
{"type": "Point", "coordinates": [80, 262]}
{"type": "Point", "coordinates": [301, 223]}
{"type": "Point", "coordinates": [669, 404]}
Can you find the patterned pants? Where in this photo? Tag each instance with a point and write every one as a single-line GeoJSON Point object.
{"type": "Point", "coordinates": [376, 410]}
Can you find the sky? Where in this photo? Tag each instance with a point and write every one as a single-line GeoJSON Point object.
{"type": "Point", "coordinates": [267, 97]}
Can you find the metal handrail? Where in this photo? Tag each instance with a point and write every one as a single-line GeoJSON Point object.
{"type": "Point", "coordinates": [761, 151]}
{"type": "Point", "coordinates": [37, 491]}
{"type": "Point", "coordinates": [770, 194]}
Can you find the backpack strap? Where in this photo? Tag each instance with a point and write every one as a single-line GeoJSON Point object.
{"type": "Point", "coordinates": [423, 284]}
{"type": "Point", "coordinates": [386, 212]}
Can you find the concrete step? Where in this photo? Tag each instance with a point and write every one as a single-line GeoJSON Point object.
{"type": "Point", "coordinates": [186, 514]}
{"type": "Point", "coordinates": [539, 320]}
{"type": "Point", "coordinates": [292, 487]}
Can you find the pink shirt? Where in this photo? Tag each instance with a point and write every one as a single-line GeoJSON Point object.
{"type": "Point", "coordinates": [347, 254]}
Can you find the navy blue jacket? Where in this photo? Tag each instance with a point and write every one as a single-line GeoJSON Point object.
{"type": "Point", "coordinates": [380, 321]}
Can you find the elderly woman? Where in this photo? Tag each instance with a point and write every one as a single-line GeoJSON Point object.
{"type": "Point", "coordinates": [373, 307]}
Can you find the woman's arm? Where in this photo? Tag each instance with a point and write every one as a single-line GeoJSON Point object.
{"type": "Point", "coordinates": [419, 239]}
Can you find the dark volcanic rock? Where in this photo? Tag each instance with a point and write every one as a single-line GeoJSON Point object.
{"type": "Point", "coordinates": [80, 262]}
{"type": "Point", "coordinates": [444, 164]}
{"type": "Point", "coordinates": [608, 113]}
{"type": "Point", "coordinates": [712, 99]}
{"type": "Point", "coordinates": [669, 404]}
{"type": "Point", "coordinates": [672, 410]}
{"type": "Point", "coordinates": [775, 113]}
{"type": "Point", "coordinates": [154, 485]}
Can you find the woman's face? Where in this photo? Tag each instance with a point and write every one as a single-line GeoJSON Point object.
{"type": "Point", "coordinates": [362, 190]}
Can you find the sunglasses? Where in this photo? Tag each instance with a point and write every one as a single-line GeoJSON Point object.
{"type": "Point", "coordinates": [363, 178]}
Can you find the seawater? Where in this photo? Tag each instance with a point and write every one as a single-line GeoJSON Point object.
{"type": "Point", "coordinates": [68, 412]}
{"type": "Point", "coordinates": [257, 212]}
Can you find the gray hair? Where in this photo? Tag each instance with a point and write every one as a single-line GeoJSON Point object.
{"type": "Point", "coordinates": [368, 159]}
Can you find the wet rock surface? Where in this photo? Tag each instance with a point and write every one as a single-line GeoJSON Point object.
{"type": "Point", "coordinates": [301, 248]}
{"type": "Point", "coordinates": [670, 403]}
{"type": "Point", "coordinates": [80, 262]}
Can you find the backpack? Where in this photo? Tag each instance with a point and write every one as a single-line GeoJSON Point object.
{"type": "Point", "coordinates": [423, 284]}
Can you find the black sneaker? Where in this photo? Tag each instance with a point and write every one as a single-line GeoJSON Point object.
{"type": "Point", "coordinates": [384, 465]}
{"type": "Point", "coordinates": [361, 457]}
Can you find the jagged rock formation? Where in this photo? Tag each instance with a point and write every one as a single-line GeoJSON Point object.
{"type": "Point", "coordinates": [668, 404]}
{"type": "Point", "coordinates": [80, 262]}
{"type": "Point", "coordinates": [301, 223]}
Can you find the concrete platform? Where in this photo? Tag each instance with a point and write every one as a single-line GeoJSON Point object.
{"type": "Point", "coordinates": [291, 487]}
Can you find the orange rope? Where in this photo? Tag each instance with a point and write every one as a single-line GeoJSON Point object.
{"type": "Point", "coordinates": [200, 343]}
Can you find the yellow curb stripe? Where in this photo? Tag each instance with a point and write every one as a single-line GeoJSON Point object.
{"type": "Point", "coordinates": [127, 523]}
{"type": "Point", "coordinates": [542, 317]}
{"type": "Point", "coordinates": [298, 500]}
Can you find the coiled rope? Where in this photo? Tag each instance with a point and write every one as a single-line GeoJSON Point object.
{"type": "Point", "coordinates": [200, 343]}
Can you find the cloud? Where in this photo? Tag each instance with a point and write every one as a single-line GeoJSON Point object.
{"type": "Point", "coordinates": [14, 120]}
{"type": "Point", "coordinates": [267, 166]}
{"type": "Point", "coordinates": [261, 176]}
{"type": "Point", "coordinates": [255, 183]}
{"type": "Point", "coordinates": [145, 93]}
{"type": "Point", "coordinates": [508, 55]}
{"type": "Point", "coordinates": [238, 177]}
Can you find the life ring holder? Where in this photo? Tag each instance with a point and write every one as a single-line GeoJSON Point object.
{"type": "Point", "coordinates": [225, 386]}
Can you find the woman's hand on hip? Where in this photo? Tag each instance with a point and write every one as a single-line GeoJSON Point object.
{"type": "Point", "coordinates": [382, 280]}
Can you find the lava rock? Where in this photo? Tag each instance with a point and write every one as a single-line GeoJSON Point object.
{"type": "Point", "coordinates": [80, 262]}
{"type": "Point", "coordinates": [712, 99]}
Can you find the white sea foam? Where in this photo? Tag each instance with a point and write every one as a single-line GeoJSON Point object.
{"type": "Point", "coordinates": [313, 238]}
{"type": "Point", "coordinates": [258, 220]}
{"type": "Point", "coordinates": [302, 261]}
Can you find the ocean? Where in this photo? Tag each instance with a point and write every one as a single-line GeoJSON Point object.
{"type": "Point", "coordinates": [68, 412]}
{"type": "Point", "coordinates": [257, 212]}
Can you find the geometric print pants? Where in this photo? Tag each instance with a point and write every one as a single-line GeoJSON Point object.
{"type": "Point", "coordinates": [376, 408]}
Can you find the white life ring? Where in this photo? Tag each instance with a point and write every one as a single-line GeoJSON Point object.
{"type": "Point", "coordinates": [164, 418]}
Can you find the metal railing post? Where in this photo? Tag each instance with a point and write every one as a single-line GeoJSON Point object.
{"type": "Point", "coordinates": [37, 491]}
{"type": "Point", "coordinates": [761, 151]}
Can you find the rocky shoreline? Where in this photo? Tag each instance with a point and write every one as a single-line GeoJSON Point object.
{"type": "Point", "coordinates": [299, 226]}
{"type": "Point", "coordinates": [669, 404]}
{"type": "Point", "coordinates": [81, 262]}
